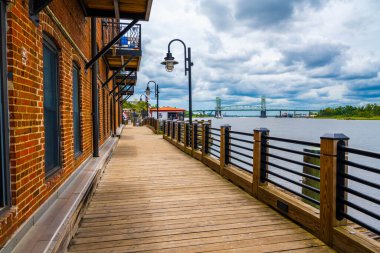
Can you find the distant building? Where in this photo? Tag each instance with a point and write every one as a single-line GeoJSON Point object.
{"type": "Point", "coordinates": [167, 113]}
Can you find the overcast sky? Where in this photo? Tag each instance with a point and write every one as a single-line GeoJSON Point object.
{"type": "Point", "coordinates": [297, 53]}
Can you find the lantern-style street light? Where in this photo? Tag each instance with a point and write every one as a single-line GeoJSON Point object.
{"type": "Point", "coordinates": [156, 92]}
{"type": "Point", "coordinates": [169, 63]}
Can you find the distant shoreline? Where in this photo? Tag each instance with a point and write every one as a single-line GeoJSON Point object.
{"type": "Point", "coordinates": [350, 118]}
{"type": "Point", "coordinates": [324, 117]}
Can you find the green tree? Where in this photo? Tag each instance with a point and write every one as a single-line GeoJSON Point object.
{"type": "Point", "coordinates": [367, 111]}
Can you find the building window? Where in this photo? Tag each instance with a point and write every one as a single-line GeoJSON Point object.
{"type": "Point", "coordinates": [76, 112]}
{"type": "Point", "coordinates": [51, 108]}
{"type": "Point", "coordinates": [4, 134]}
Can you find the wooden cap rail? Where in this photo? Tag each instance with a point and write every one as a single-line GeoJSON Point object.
{"type": "Point", "coordinates": [250, 161]}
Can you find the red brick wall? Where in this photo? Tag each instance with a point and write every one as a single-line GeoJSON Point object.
{"type": "Point", "coordinates": [29, 186]}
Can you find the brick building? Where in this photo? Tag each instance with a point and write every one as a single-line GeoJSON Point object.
{"type": "Point", "coordinates": [60, 99]}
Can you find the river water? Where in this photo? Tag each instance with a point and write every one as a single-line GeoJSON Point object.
{"type": "Point", "coordinates": [363, 134]}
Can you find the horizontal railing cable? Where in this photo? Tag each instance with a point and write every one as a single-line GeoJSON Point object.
{"type": "Point", "coordinates": [241, 147]}
{"type": "Point", "coordinates": [359, 152]}
{"type": "Point", "coordinates": [239, 153]}
{"type": "Point", "coordinates": [293, 182]}
{"type": "Point", "coordinates": [241, 133]}
{"type": "Point", "coordinates": [213, 139]}
{"type": "Point", "coordinates": [317, 179]}
{"type": "Point", "coordinates": [247, 163]}
{"type": "Point", "coordinates": [294, 192]}
{"type": "Point", "coordinates": [309, 165]}
{"type": "Point", "coordinates": [360, 194]}
{"type": "Point", "coordinates": [214, 154]}
{"type": "Point", "coordinates": [359, 180]}
{"type": "Point", "coordinates": [306, 143]}
{"type": "Point", "coordinates": [360, 166]}
{"type": "Point", "coordinates": [241, 140]}
{"type": "Point", "coordinates": [292, 151]}
{"type": "Point", "coordinates": [240, 167]}
{"type": "Point", "coordinates": [216, 145]}
{"type": "Point", "coordinates": [359, 208]}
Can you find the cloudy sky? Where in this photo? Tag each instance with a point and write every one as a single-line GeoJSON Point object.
{"type": "Point", "coordinates": [297, 53]}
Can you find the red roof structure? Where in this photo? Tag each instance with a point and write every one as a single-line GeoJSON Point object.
{"type": "Point", "coordinates": [167, 109]}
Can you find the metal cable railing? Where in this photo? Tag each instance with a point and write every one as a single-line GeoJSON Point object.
{"type": "Point", "coordinates": [358, 199]}
{"type": "Point", "coordinates": [282, 167]}
{"type": "Point", "coordinates": [181, 126]}
{"type": "Point", "coordinates": [293, 166]}
{"type": "Point", "coordinates": [213, 142]}
{"type": "Point", "coordinates": [199, 136]}
{"type": "Point", "coordinates": [240, 149]}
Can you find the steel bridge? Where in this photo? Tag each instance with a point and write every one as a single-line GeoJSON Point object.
{"type": "Point", "coordinates": [262, 108]}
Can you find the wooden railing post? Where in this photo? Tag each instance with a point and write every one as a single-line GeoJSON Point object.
{"type": "Point", "coordinates": [259, 159]}
{"type": "Point", "coordinates": [328, 185]}
{"type": "Point", "coordinates": [172, 133]}
{"type": "Point", "coordinates": [205, 135]}
{"type": "Point", "coordinates": [186, 134]}
{"type": "Point", "coordinates": [169, 128]}
{"type": "Point", "coordinates": [224, 147]}
{"type": "Point", "coordinates": [194, 136]}
{"type": "Point", "coordinates": [163, 127]}
{"type": "Point", "coordinates": [179, 126]}
{"type": "Point", "coordinates": [158, 126]}
{"type": "Point", "coordinates": [174, 130]}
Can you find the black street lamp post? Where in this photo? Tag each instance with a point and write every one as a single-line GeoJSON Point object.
{"type": "Point", "coordinates": [169, 63]}
{"type": "Point", "coordinates": [156, 92]}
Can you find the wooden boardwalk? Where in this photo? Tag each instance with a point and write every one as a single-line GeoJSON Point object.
{"type": "Point", "coordinates": [155, 198]}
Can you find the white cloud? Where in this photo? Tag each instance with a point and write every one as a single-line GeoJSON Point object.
{"type": "Point", "coordinates": [239, 58]}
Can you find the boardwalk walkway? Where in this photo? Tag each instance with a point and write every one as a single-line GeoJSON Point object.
{"type": "Point", "coordinates": [155, 198]}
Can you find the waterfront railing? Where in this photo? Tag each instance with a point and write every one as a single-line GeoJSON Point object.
{"type": "Point", "coordinates": [281, 171]}
{"type": "Point", "coordinates": [312, 183]}
{"type": "Point", "coordinates": [345, 188]}
{"type": "Point", "coordinates": [159, 126]}
{"type": "Point", "coordinates": [239, 149]}
{"type": "Point", "coordinates": [213, 142]}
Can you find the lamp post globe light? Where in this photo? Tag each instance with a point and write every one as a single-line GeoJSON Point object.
{"type": "Point", "coordinates": [156, 92]}
{"type": "Point", "coordinates": [169, 63]}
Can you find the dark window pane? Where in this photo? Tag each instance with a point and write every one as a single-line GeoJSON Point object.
{"type": "Point", "coordinates": [4, 134]}
{"type": "Point", "coordinates": [51, 110]}
{"type": "Point", "coordinates": [76, 111]}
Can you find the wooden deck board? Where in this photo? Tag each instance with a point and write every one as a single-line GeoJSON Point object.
{"type": "Point", "coordinates": [155, 198]}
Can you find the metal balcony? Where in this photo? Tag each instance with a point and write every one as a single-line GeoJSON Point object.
{"type": "Point", "coordinates": [129, 90]}
{"type": "Point", "coordinates": [125, 77]}
{"type": "Point", "coordinates": [126, 49]}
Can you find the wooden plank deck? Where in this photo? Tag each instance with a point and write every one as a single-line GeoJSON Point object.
{"type": "Point", "coordinates": [155, 198]}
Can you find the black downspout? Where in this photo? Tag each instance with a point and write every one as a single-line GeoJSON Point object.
{"type": "Point", "coordinates": [158, 92]}
{"type": "Point", "coordinates": [120, 114]}
{"type": "Point", "coordinates": [95, 106]}
{"type": "Point", "coordinates": [5, 190]}
{"type": "Point", "coordinates": [113, 110]}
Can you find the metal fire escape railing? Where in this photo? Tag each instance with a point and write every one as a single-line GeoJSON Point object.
{"type": "Point", "coordinates": [120, 33]}
{"type": "Point", "coordinates": [131, 39]}
{"type": "Point", "coordinates": [124, 80]}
